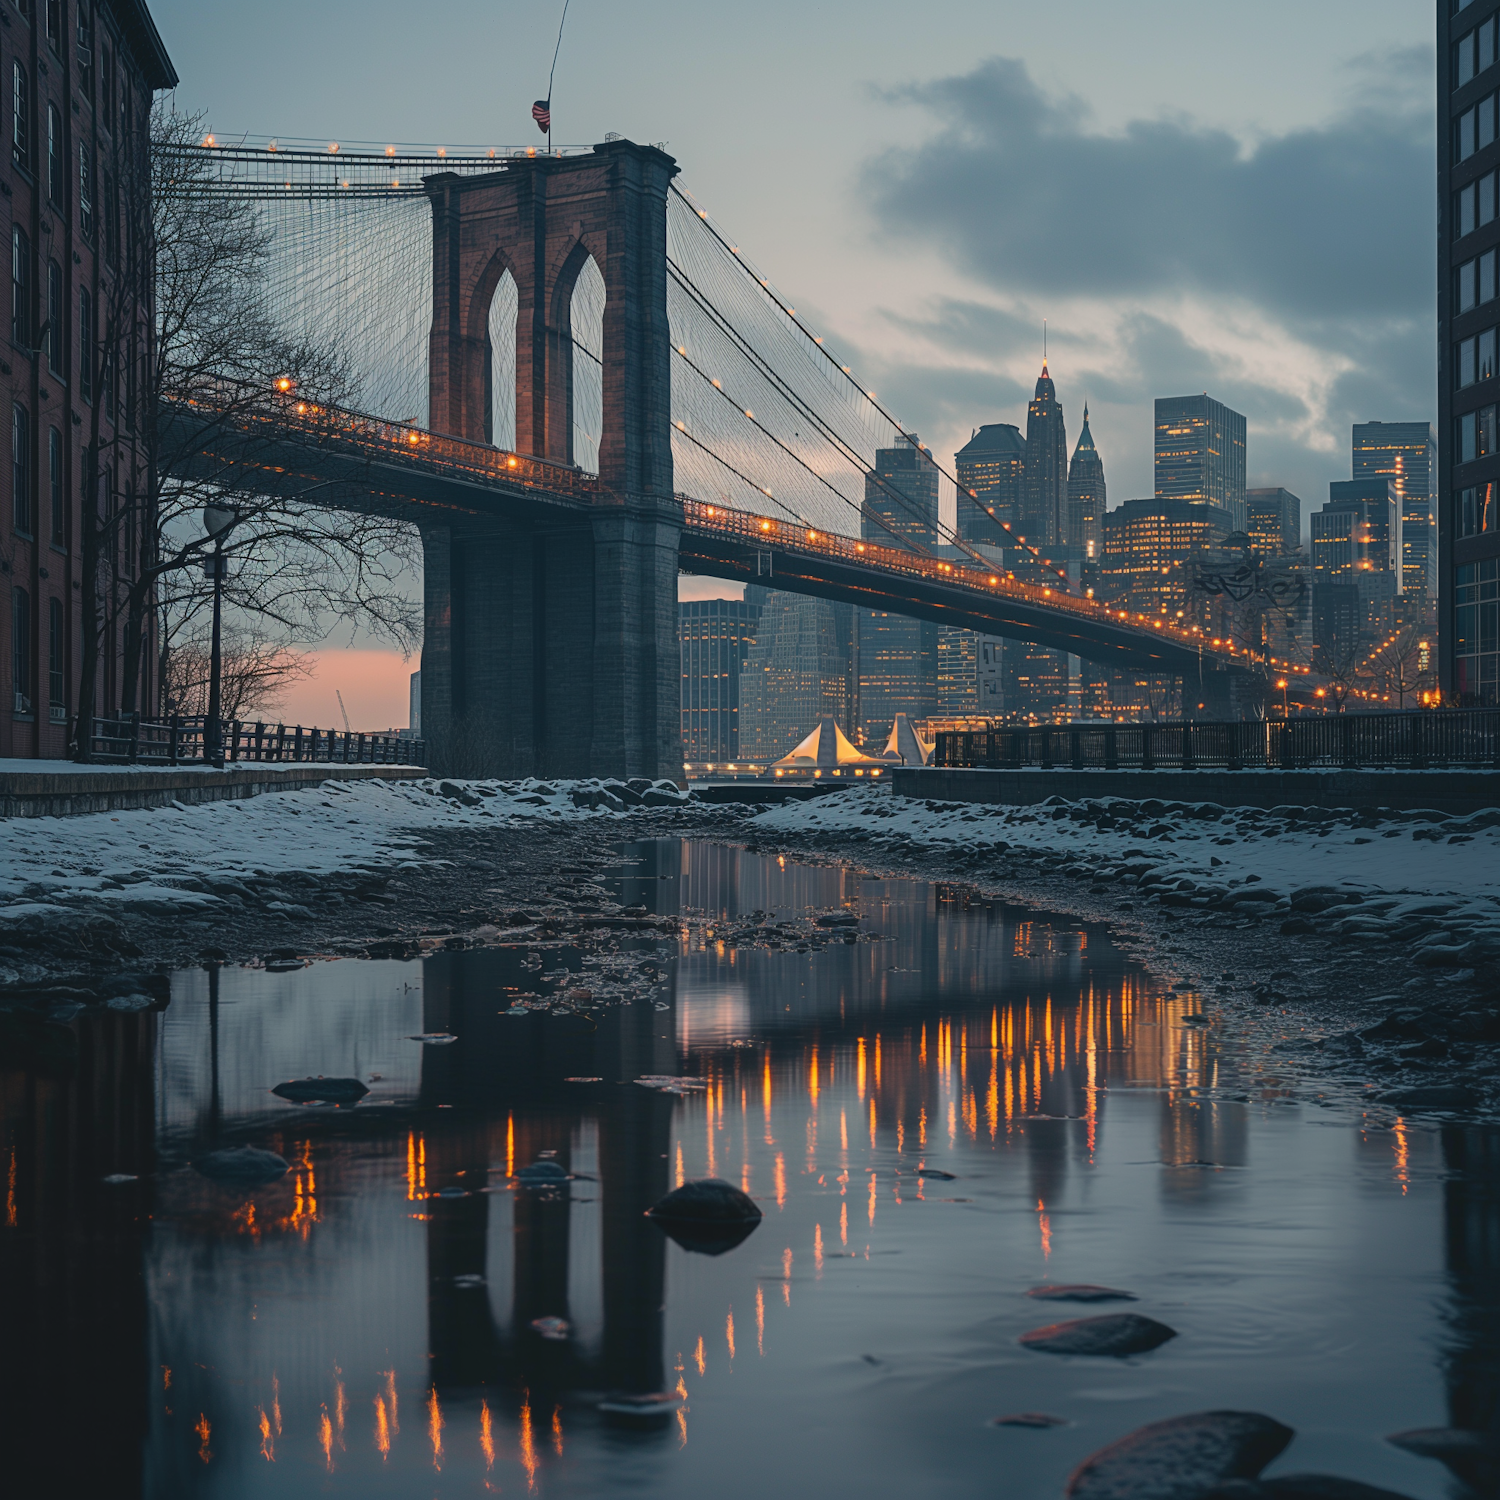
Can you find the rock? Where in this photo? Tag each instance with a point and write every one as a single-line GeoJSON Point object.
{"type": "Point", "coordinates": [935, 1172]}
{"type": "Point", "coordinates": [1079, 1292]}
{"type": "Point", "coordinates": [322, 1090]}
{"type": "Point", "coordinates": [1399, 1026]}
{"type": "Point", "coordinates": [1473, 1456]}
{"type": "Point", "coordinates": [1431, 1096]}
{"type": "Point", "coordinates": [1113, 1336]}
{"type": "Point", "coordinates": [1297, 927]}
{"type": "Point", "coordinates": [433, 1038]}
{"type": "Point", "coordinates": [542, 1174]}
{"type": "Point", "coordinates": [1300, 1487]}
{"type": "Point", "coordinates": [242, 1166]}
{"type": "Point", "coordinates": [657, 797]}
{"type": "Point", "coordinates": [1028, 1419]}
{"type": "Point", "coordinates": [1181, 1458]}
{"type": "Point", "coordinates": [116, 1178]}
{"type": "Point", "coordinates": [707, 1215]}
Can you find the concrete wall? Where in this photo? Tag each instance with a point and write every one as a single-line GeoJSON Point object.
{"type": "Point", "coordinates": [65, 793]}
{"type": "Point", "coordinates": [1444, 791]}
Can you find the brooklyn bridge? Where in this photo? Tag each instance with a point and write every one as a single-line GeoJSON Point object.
{"type": "Point", "coordinates": [575, 385]}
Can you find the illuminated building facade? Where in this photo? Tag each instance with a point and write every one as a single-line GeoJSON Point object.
{"type": "Point", "coordinates": [1086, 495]}
{"type": "Point", "coordinates": [716, 636]}
{"type": "Point", "coordinates": [1406, 453]}
{"type": "Point", "coordinates": [1200, 454]}
{"type": "Point", "coordinates": [80, 81]}
{"type": "Point", "coordinates": [1273, 521]}
{"type": "Point", "coordinates": [969, 674]}
{"type": "Point", "coordinates": [1044, 496]}
{"type": "Point", "coordinates": [1468, 308]}
{"type": "Point", "coordinates": [992, 464]}
{"type": "Point", "coordinates": [1356, 543]}
{"type": "Point", "coordinates": [1149, 550]}
{"type": "Point", "coordinates": [797, 669]}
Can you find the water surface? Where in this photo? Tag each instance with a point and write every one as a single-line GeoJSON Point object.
{"type": "Point", "coordinates": [345, 1331]}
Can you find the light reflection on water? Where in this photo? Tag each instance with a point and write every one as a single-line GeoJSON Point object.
{"type": "Point", "coordinates": [348, 1330]}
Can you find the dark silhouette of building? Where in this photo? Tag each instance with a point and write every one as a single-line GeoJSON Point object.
{"type": "Point", "coordinates": [716, 637]}
{"type": "Point", "coordinates": [1200, 454]}
{"type": "Point", "coordinates": [1085, 526]}
{"type": "Point", "coordinates": [1273, 521]}
{"type": "Point", "coordinates": [1468, 467]}
{"type": "Point", "coordinates": [799, 667]}
{"type": "Point", "coordinates": [896, 659]}
{"type": "Point", "coordinates": [80, 79]}
{"type": "Point", "coordinates": [1406, 453]}
{"type": "Point", "coordinates": [1044, 506]}
{"type": "Point", "coordinates": [991, 471]}
{"type": "Point", "coordinates": [901, 496]}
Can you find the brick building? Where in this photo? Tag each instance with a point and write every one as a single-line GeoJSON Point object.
{"type": "Point", "coordinates": [79, 76]}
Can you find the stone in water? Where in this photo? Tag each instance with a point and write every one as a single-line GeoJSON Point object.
{"type": "Point", "coordinates": [1114, 1336]}
{"type": "Point", "coordinates": [1081, 1292]}
{"type": "Point", "coordinates": [322, 1090]}
{"type": "Point", "coordinates": [1182, 1458]}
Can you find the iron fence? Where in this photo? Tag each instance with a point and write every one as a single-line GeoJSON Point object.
{"type": "Point", "coordinates": [1435, 738]}
{"type": "Point", "coordinates": [180, 740]}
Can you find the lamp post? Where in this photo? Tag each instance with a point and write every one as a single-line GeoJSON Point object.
{"type": "Point", "coordinates": [217, 521]}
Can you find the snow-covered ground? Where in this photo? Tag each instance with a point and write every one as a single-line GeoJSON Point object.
{"type": "Point", "coordinates": [1433, 878]}
{"type": "Point", "coordinates": [172, 858]}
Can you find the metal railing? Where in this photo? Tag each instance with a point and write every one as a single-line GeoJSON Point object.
{"type": "Point", "coordinates": [180, 741]}
{"type": "Point", "coordinates": [1418, 741]}
{"type": "Point", "coordinates": [793, 536]}
{"type": "Point", "coordinates": [339, 429]}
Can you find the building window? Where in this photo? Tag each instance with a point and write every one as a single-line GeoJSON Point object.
{"type": "Point", "coordinates": [55, 344]}
{"type": "Point", "coordinates": [1466, 286]}
{"type": "Point", "coordinates": [85, 192]}
{"type": "Point", "coordinates": [1475, 510]}
{"type": "Point", "coordinates": [85, 53]}
{"type": "Point", "coordinates": [55, 26]}
{"type": "Point", "coordinates": [20, 116]}
{"type": "Point", "coordinates": [1486, 357]}
{"type": "Point", "coordinates": [1476, 620]}
{"type": "Point", "coordinates": [1475, 435]}
{"type": "Point", "coordinates": [112, 225]}
{"type": "Point", "coordinates": [55, 482]}
{"type": "Point", "coordinates": [54, 157]}
{"type": "Point", "coordinates": [20, 291]}
{"type": "Point", "coordinates": [20, 649]}
{"type": "Point", "coordinates": [1487, 276]}
{"type": "Point", "coordinates": [57, 649]}
{"type": "Point", "coordinates": [1465, 363]}
{"type": "Point", "coordinates": [85, 344]}
{"type": "Point", "coordinates": [20, 468]}
{"type": "Point", "coordinates": [1464, 53]}
{"type": "Point", "coordinates": [1464, 206]}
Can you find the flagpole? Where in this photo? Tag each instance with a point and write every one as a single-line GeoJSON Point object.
{"type": "Point", "coordinates": [553, 73]}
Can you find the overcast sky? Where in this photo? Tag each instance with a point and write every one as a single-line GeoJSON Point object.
{"type": "Point", "coordinates": [1196, 194]}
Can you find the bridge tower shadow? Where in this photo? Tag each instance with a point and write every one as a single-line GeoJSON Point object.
{"type": "Point", "coordinates": [551, 644]}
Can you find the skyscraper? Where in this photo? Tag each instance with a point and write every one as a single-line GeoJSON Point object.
{"type": "Point", "coordinates": [896, 658]}
{"type": "Point", "coordinates": [1468, 312]}
{"type": "Point", "coordinates": [1273, 519]}
{"type": "Point", "coordinates": [797, 669]}
{"type": "Point", "coordinates": [1150, 548]}
{"type": "Point", "coordinates": [1407, 453]}
{"type": "Point", "coordinates": [1200, 454]}
{"type": "Point", "coordinates": [901, 496]}
{"type": "Point", "coordinates": [1044, 504]}
{"type": "Point", "coordinates": [1085, 525]}
{"type": "Point", "coordinates": [992, 464]}
{"type": "Point", "coordinates": [1356, 545]}
{"type": "Point", "coordinates": [716, 635]}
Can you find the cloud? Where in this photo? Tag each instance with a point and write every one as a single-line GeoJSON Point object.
{"type": "Point", "coordinates": [1326, 222]}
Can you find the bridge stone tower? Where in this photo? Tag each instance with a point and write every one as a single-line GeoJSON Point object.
{"type": "Point", "coordinates": [551, 646]}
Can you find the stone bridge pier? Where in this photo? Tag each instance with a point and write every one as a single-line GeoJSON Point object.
{"type": "Point", "coordinates": [551, 645]}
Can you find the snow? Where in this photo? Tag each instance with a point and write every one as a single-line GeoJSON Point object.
{"type": "Point", "coordinates": [1417, 854]}
{"type": "Point", "coordinates": [166, 859]}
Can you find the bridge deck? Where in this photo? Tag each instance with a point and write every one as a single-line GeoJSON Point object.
{"type": "Point", "coordinates": [395, 461]}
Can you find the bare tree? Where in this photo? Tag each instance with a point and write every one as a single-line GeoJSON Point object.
{"type": "Point", "coordinates": [205, 405]}
{"type": "Point", "coordinates": [1402, 666]}
{"type": "Point", "coordinates": [255, 674]}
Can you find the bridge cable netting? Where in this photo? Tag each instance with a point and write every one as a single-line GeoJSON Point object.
{"type": "Point", "coordinates": [765, 418]}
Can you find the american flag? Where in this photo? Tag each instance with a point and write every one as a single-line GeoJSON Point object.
{"type": "Point", "coordinates": [541, 112]}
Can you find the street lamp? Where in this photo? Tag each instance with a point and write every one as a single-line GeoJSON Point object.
{"type": "Point", "coordinates": [217, 521]}
{"type": "Point", "coordinates": [1281, 683]}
